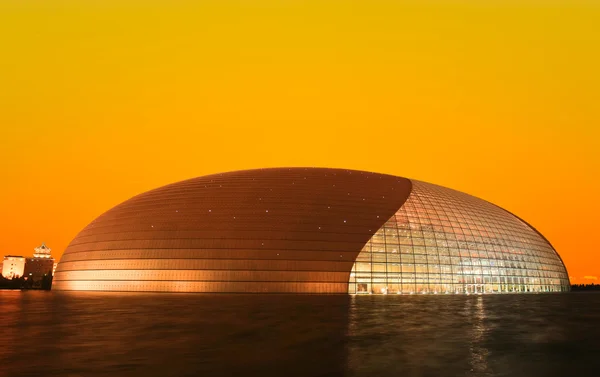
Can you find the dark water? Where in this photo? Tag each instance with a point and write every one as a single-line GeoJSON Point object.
{"type": "Point", "coordinates": [100, 334]}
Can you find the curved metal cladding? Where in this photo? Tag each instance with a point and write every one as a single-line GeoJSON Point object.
{"type": "Point", "coordinates": [268, 230]}
{"type": "Point", "coordinates": [446, 241]}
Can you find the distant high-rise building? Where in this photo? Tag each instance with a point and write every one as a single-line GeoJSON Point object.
{"type": "Point", "coordinates": [40, 265]}
{"type": "Point", "coordinates": [13, 266]}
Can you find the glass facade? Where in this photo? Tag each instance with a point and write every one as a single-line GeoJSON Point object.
{"type": "Point", "coordinates": [443, 241]}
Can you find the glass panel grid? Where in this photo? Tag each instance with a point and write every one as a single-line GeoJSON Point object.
{"type": "Point", "coordinates": [443, 241]}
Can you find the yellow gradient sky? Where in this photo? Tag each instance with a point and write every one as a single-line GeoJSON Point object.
{"type": "Point", "coordinates": [102, 100]}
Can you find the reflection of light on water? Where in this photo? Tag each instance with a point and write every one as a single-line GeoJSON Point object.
{"type": "Point", "coordinates": [479, 353]}
{"type": "Point", "coordinates": [352, 316]}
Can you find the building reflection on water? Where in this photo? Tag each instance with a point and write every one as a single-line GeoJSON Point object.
{"type": "Point", "coordinates": [100, 334]}
{"type": "Point", "coordinates": [479, 353]}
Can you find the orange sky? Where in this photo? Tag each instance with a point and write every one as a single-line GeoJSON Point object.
{"type": "Point", "coordinates": [100, 101]}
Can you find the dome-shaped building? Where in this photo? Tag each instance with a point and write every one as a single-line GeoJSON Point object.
{"type": "Point", "coordinates": [309, 230]}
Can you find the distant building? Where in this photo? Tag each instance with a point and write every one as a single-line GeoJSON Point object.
{"type": "Point", "coordinates": [36, 268]}
{"type": "Point", "coordinates": [42, 263]}
{"type": "Point", "coordinates": [13, 266]}
{"type": "Point", "coordinates": [54, 268]}
{"type": "Point", "coordinates": [42, 252]}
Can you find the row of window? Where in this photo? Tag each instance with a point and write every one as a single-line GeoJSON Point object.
{"type": "Point", "coordinates": [430, 224]}
{"type": "Point", "coordinates": [461, 259]}
{"type": "Point", "coordinates": [451, 278]}
{"type": "Point", "coordinates": [454, 240]}
{"type": "Point", "coordinates": [423, 288]}
{"type": "Point", "coordinates": [454, 270]}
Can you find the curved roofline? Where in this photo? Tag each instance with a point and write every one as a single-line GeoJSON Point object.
{"type": "Point", "coordinates": [509, 212]}
{"type": "Point", "coordinates": [281, 168]}
{"type": "Point", "coordinates": [256, 169]}
{"type": "Point", "coordinates": [541, 235]}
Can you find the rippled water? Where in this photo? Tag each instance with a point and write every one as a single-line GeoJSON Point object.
{"type": "Point", "coordinates": [108, 334]}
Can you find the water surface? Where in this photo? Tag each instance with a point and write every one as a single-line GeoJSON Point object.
{"type": "Point", "coordinates": [119, 334]}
